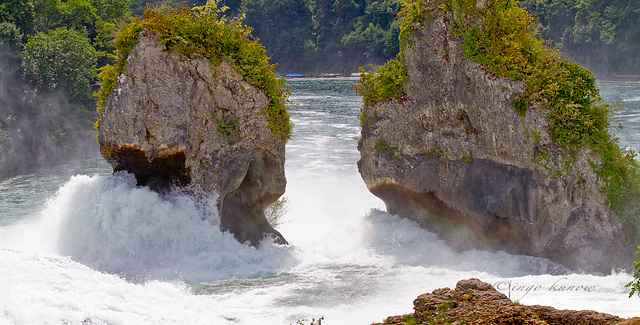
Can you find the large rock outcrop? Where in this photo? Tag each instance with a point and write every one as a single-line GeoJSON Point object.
{"type": "Point", "coordinates": [455, 156]}
{"type": "Point", "coordinates": [177, 120]}
{"type": "Point", "coordinates": [477, 302]}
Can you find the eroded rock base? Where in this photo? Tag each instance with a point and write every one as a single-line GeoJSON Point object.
{"type": "Point", "coordinates": [242, 210]}
{"type": "Point", "coordinates": [159, 173]}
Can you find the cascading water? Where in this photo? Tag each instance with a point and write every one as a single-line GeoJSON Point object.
{"type": "Point", "coordinates": [96, 249]}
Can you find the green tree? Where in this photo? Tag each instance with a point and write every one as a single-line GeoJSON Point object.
{"type": "Point", "coordinates": [601, 34]}
{"type": "Point", "coordinates": [18, 12]}
{"type": "Point", "coordinates": [375, 33]}
{"type": "Point", "coordinates": [283, 27]}
{"type": "Point", "coordinates": [10, 47]}
{"type": "Point", "coordinates": [72, 14]}
{"type": "Point", "coordinates": [47, 82]}
{"type": "Point", "coordinates": [60, 59]}
{"type": "Point", "coordinates": [10, 38]}
{"type": "Point", "coordinates": [111, 11]}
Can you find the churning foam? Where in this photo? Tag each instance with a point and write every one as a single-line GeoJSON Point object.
{"type": "Point", "coordinates": [633, 99]}
{"type": "Point", "coordinates": [112, 225]}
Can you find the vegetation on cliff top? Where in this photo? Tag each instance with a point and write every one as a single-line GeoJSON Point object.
{"type": "Point", "coordinates": [501, 36]}
{"type": "Point", "coordinates": [204, 31]}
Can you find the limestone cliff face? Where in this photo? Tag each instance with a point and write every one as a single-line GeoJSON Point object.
{"type": "Point", "coordinates": [174, 120]}
{"type": "Point", "coordinates": [456, 157]}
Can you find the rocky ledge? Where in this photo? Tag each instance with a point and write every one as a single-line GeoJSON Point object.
{"type": "Point", "coordinates": [454, 155]}
{"type": "Point", "coordinates": [477, 302]}
{"type": "Point", "coordinates": [174, 120]}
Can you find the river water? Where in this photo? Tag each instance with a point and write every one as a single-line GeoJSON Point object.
{"type": "Point", "coordinates": [81, 246]}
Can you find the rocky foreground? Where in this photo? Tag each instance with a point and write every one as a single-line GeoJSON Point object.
{"type": "Point", "coordinates": [477, 302]}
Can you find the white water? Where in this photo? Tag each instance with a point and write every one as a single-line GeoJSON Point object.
{"type": "Point", "coordinates": [103, 251]}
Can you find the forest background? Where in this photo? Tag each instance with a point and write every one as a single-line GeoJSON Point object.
{"type": "Point", "coordinates": [52, 50]}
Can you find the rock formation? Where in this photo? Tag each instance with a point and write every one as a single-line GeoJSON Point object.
{"type": "Point", "coordinates": [455, 156]}
{"type": "Point", "coordinates": [477, 302]}
{"type": "Point", "coordinates": [177, 120]}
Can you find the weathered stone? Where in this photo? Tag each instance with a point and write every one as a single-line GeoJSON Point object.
{"type": "Point", "coordinates": [174, 120]}
{"type": "Point", "coordinates": [456, 157]}
{"type": "Point", "coordinates": [477, 302]}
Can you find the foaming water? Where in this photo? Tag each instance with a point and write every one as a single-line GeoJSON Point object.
{"type": "Point", "coordinates": [111, 225]}
{"type": "Point", "coordinates": [102, 250]}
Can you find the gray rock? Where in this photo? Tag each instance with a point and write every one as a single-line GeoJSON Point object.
{"type": "Point", "coordinates": [176, 120]}
{"type": "Point", "coordinates": [457, 158]}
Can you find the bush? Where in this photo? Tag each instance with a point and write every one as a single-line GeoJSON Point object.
{"type": "Point", "coordinates": [385, 82]}
{"type": "Point", "coordinates": [60, 59]}
{"type": "Point", "coordinates": [275, 212]}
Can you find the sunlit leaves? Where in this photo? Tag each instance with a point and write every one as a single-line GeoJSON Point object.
{"type": "Point", "coordinates": [385, 82]}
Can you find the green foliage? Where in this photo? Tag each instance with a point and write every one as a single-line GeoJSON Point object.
{"type": "Point", "coordinates": [383, 147]}
{"type": "Point", "coordinates": [407, 319]}
{"type": "Point", "coordinates": [18, 12]}
{"type": "Point", "coordinates": [387, 81]}
{"type": "Point", "coordinates": [635, 284]}
{"type": "Point", "coordinates": [502, 37]}
{"type": "Point", "coordinates": [314, 36]}
{"type": "Point", "coordinates": [49, 64]}
{"type": "Point", "coordinates": [226, 128]}
{"type": "Point", "coordinates": [71, 14]}
{"type": "Point", "coordinates": [96, 19]}
{"type": "Point", "coordinates": [383, 83]}
{"type": "Point", "coordinates": [111, 10]}
{"type": "Point", "coordinates": [602, 35]}
{"type": "Point", "coordinates": [60, 59]}
{"type": "Point", "coordinates": [412, 12]}
{"type": "Point", "coordinates": [447, 305]}
{"type": "Point", "coordinates": [410, 320]}
{"type": "Point", "coordinates": [275, 212]}
{"type": "Point", "coordinates": [375, 31]}
{"type": "Point", "coordinates": [204, 31]}
{"type": "Point", "coordinates": [10, 38]}
{"type": "Point", "coordinates": [283, 28]}
{"type": "Point", "coordinates": [324, 35]}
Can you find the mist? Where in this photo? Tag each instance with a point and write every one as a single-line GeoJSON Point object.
{"type": "Point", "coordinates": [39, 129]}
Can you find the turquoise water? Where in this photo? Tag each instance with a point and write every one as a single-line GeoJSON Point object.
{"type": "Point", "coordinates": [627, 95]}
{"type": "Point", "coordinates": [79, 245]}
